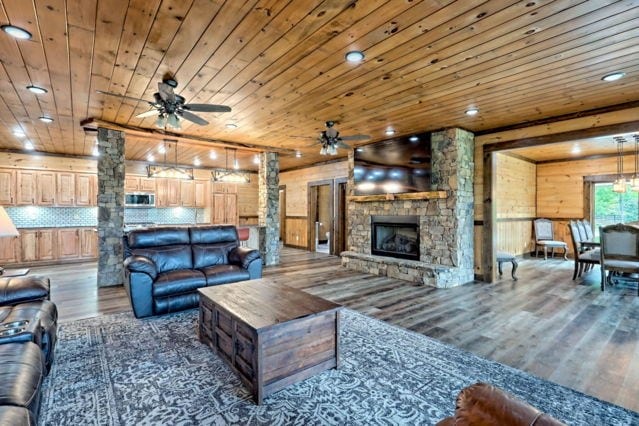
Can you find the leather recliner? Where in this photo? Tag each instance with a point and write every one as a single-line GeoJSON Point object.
{"type": "Point", "coordinates": [165, 266]}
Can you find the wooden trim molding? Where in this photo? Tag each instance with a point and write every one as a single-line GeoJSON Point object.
{"type": "Point", "coordinates": [429, 195]}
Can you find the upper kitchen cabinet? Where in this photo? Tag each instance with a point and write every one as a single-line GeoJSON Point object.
{"type": "Point", "coordinates": [26, 186]}
{"type": "Point", "coordinates": [7, 187]}
{"type": "Point", "coordinates": [86, 189]}
{"type": "Point", "coordinates": [139, 184]}
{"type": "Point", "coordinates": [168, 193]}
{"type": "Point", "coordinates": [65, 185]}
{"type": "Point", "coordinates": [46, 188]}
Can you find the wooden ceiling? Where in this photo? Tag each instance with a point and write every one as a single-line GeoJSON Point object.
{"type": "Point", "coordinates": [280, 66]}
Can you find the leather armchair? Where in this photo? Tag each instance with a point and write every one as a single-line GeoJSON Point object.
{"type": "Point", "coordinates": [165, 266]}
{"type": "Point", "coordinates": [482, 404]}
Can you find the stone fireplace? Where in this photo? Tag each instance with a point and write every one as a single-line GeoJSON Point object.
{"type": "Point", "coordinates": [395, 236]}
{"type": "Point", "coordinates": [443, 228]}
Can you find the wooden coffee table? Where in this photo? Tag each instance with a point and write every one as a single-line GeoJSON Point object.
{"type": "Point", "coordinates": [270, 334]}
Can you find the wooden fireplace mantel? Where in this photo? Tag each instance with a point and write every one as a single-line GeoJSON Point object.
{"type": "Point", "coordinates": [429, 195]}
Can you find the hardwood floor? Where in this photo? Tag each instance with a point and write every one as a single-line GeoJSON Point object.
{"type": "Point", "coordinates": [568, 332]}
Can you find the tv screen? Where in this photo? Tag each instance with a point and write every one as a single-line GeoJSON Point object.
{"type": "Point", "coordinates": [393, 166]}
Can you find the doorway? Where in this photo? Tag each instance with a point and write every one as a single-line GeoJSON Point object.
{"type": "Point", "coordinates": [340, 216]}
{"type": "Point", "coordinates": [320, 223]}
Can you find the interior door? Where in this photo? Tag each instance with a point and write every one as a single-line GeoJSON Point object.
{"type": "Point", "coordinates": [320, 218]}
{"type": "Point", "coordinates": [340, 218]}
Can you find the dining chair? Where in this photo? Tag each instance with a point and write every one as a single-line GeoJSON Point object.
{"type": "Point", "coordinates": [619, 253]}
{"type": "Point", "coordinates": [544, 237]}
{"type": "Point", "coordinates": [584, 258]}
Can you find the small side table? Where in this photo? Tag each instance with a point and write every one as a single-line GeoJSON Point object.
{"type": "Point", "coordinates": [7, 273]}
{"type": "Point", "coordinates": [507, 257]}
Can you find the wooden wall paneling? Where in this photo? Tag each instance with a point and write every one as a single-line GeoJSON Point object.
{"type": "Point", "coordinates": [247, 198]}
{"type": "Point", "coordinates": [515, 236]}
{"type": "Point", "coordinates": [296, 231]}
{"type": "Point", "coordinates": [488, 237]}
{"type": "Point", "coordinates": [296, 183]}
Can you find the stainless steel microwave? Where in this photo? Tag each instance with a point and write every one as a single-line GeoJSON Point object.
{"type": "Point", "coordinates": [139, 199]}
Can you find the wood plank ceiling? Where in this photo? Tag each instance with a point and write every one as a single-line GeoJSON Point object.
{"type": "Point", "coordinates": [280, 66]}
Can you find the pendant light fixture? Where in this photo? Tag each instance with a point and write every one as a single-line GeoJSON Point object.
{"type": "Point", "coordinates": [619, 184]}
{"type": "Point", "coordinates": [232, 172]}
{"type": "Point", "coordinates": [169, 170]}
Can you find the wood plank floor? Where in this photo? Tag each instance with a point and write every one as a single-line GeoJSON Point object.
{"type": "Point", "coordinates": [567, 332]}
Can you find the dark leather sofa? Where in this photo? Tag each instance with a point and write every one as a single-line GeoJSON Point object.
{"type": "Point", "coordinates": [165, 266]}
{"type": "Point", "coordinates": [28, 325]}
{"type": "Point", "coordinates": [482, 404]}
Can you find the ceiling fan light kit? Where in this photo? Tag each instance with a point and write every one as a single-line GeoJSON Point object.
{"type": "Point", "coordinates": [331, 140]}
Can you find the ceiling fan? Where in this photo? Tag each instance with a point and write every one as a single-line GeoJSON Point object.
{"type": "Point", "coordinates": [331, 140]}
{"type": "Point", "coordinates": [171, 107]}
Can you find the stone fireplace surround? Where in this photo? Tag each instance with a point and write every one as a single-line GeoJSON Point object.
{"type": "Point", "coordinates": [445, 224]}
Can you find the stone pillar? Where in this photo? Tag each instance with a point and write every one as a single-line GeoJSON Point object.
{"type": "Point", "coordinates": [269, 207]}
{"type": "Point", "coordinates": [453, 165]}
{"type": "Point", "coordinates": [110, 207]}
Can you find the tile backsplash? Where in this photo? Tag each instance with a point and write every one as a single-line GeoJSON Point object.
{"type": "Point", "coordinates": [57, 217]}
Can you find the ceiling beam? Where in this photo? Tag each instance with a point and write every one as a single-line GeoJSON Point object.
{"type": "Point", "coordinates": [159, 134]}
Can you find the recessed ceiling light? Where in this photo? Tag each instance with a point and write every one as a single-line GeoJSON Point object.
{"type": "Point", "coordinates": [256, 159]}
{"type": "Point", "coordinates": [413, 139]}
{"type": "Point", "coordinates": [150, 158]}
{"type": "Point", "coordinates": [28, 145]}
{"type": "Point", "coordinates": [161, 149]}
{"type": "Point", "coordinates": [16, 32]}
{"type": "Point", "coordinates": [355, 56]}
{"type": "Point", "coordinates": [212, 155]}
{"type": "Point", "coordinates": [613, 76]}
{"type": "Point", "coordinates": [575, 149]}
{"type": "Point", "coordinates": [37, 90]}
{"type": "Point", "coordinates": [18, 133]}
{"type": "Point", "coordinates": [231, 126]}
{"type": "Point", "coordinates": [46, 119]}
{"type": "Point", "coordinates": [472, 111]}
{"type": "Point", "coordinates": [390, 132]}
{"type": "Point", "coordinates": [298, 154]}
{"type": "Point", "coordinates": [196, 162]}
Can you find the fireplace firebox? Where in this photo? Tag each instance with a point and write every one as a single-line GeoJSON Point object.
{"type": "Point", "coordinates": [395, 236]}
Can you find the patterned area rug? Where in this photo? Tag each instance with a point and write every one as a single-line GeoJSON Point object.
{"type": "Point", "coordinates": [118, 370]}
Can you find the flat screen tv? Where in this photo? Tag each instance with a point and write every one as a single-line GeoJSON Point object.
{"type": "Point", "coordinates": [394, 166]}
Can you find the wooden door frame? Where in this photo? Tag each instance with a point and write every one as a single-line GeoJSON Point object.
{"type": "Point", "coordinates": [310, 231]}
{"type": "Point", "coordinates": [282, 215]}
{"type": "Point", "coordinates": [338, 181]}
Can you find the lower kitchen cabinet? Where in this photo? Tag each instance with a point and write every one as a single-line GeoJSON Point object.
{"type": "Point", "coordinates": [89, 243]}
{"type": "Point", "coordinates": [9, 250]}
{"type": "Point", "coordinates": [37, 245]}
{"type": "Point", "coordinates": [68, 243]}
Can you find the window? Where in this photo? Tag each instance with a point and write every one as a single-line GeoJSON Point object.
{"type": "Point", "coordinates": [613, 207]}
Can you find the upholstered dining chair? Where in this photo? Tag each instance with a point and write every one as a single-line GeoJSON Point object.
{"type": "Point", "coordinates": [545, 237]}
{"type": "Point", "coordinates": [619, 252]}
{"type": "Point", "coordinates": [584, 258]}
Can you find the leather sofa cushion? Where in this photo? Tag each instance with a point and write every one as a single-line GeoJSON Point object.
{"type": "Point", "coordinates": [21, 375]}
{"type": "Point", "coordinates": [168, 258]}
{"type": "Point", "coordinates": [154, 237]}
{"type": "Point", "coordinates": [23, 289]}
{"type": "Point", "coordinates": [16, 416]}
{"type": "Point", "coordinates": [213, 234]}
{"type": "Point", "coordinates": [224, 274]}
{"type": "Point", "coordinates": [175, 303]}
{"type": "Point", "coordinates": [209, 255]}
{"type": "Point", "coordinates": [178, 282]}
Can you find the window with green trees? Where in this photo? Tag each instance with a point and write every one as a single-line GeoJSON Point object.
{"type": "Point", "coordinates": [614, 207]}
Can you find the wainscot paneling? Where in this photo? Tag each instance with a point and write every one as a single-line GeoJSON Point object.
{"type": "Point", "coordinates": [296, 231]}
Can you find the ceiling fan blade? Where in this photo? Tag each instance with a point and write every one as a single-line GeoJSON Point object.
{"type": "Point", "coordinates": [341, 144]}
{"type": "Point", "coordinates": [207, 108]}
{"type": "Point", "coordinates": [121, 96]}
{"type": "Point", "coordinates": [192, 117]}
{"type": "Point", "coordinates": [166, 92]}
{"type": "Point", "coordinates": [355, 138]}
{"type": "Point", "coordinates": [147, 113]}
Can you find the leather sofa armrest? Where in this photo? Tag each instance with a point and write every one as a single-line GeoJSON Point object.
{"type": "Point", "coordinates": [243, 256]}
{"type": "Point", "coordinates": [138, 263]}
{"type": "Point", "coordinates": [23, 289]}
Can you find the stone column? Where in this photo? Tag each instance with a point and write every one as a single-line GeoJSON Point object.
{"type": "Point", "coordinates": [110, 207]}
{"type": "Point", "coordinates": [453, 164]}
{"type": "Point", "coordinates": [269, 207]}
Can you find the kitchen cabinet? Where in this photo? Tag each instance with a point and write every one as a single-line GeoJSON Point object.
{"type": "Point", "coordinates": [167, 192]}
{"type": "Point", "coordinates": [65, 189]}
{"type": "Point", "coordinates": [200, 193]}
{"type": "Point", "coordinates": [45, 188]}
{"type": "Point", "coordinates": [86, 189]}
{"type": "Point", "coordinates": [224, 209]}
{"type": "Point", "coordinates": [68, 243]}
{"type": "Point", "coordinates": [26, 186]}
{"type": "Point", "coordinates": [37, 244]}
{"type": "Point", "coordinates": [7, 187]}
{"type": "Point", "coordinates": [89, 243]}
{"type": "Point", "coordinates": [187, 193]}
{"type": "Point", "coordinates": [139, 184]}
{"type": "Point", "coordinates": [8, 250]}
